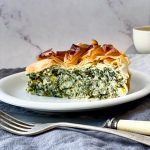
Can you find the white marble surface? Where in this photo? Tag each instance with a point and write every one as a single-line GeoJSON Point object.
{"type": "Point", "coordinates": [28, 27]}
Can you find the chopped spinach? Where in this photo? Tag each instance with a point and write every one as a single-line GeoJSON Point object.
{"type": "Point", "coordinates": [88, 82]}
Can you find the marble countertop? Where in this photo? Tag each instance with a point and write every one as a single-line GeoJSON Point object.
{"type": "Point", "coordinates": [30, 27]}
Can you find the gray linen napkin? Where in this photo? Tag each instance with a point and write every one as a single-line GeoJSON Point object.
{"type": "Point", "coordinates": [74, 139]}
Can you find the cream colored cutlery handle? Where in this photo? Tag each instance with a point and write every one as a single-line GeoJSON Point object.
{"type": "Point", "coordinates": [141, 127]}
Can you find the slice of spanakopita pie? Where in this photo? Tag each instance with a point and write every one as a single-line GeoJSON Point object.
{"type": "Point", "coordinates": [84, 71]}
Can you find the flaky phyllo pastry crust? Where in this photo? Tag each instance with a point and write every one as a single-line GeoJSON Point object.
{"type": "Point", "coordinates": [81, 56]}
{"type": "Point", "coordinates": [78, 55]}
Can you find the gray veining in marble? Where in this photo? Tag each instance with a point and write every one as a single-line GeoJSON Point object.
{"type": "Point", "coordinates": [30, 27]}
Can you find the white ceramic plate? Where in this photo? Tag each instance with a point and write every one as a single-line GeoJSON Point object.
{"type": "Point", "coordinates": [12, 91]}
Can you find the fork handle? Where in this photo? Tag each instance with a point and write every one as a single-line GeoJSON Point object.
{"type": "Point", "coordinates": [141, 127]}
{"type": "Point", "coordinates": [133, 136]}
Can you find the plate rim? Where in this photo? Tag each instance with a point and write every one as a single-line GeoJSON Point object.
{"type": "Point", "coordinates": [61, 107]}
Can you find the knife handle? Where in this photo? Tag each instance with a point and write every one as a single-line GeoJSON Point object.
{"type": "Point", "coordinates": [141, 127]}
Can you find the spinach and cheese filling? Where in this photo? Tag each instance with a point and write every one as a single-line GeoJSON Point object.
{"type": "Point", "coordinates": [91, 81]}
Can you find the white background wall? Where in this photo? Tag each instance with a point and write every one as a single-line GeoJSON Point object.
{"type": "Point", "coordinates": [28, 27]}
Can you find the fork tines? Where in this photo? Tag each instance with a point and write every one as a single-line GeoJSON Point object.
{"type": "Point", "coordinates": [12, 124]}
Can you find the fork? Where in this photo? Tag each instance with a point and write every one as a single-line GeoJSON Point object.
{"type": "Point", "coordinates": [19, 127]}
